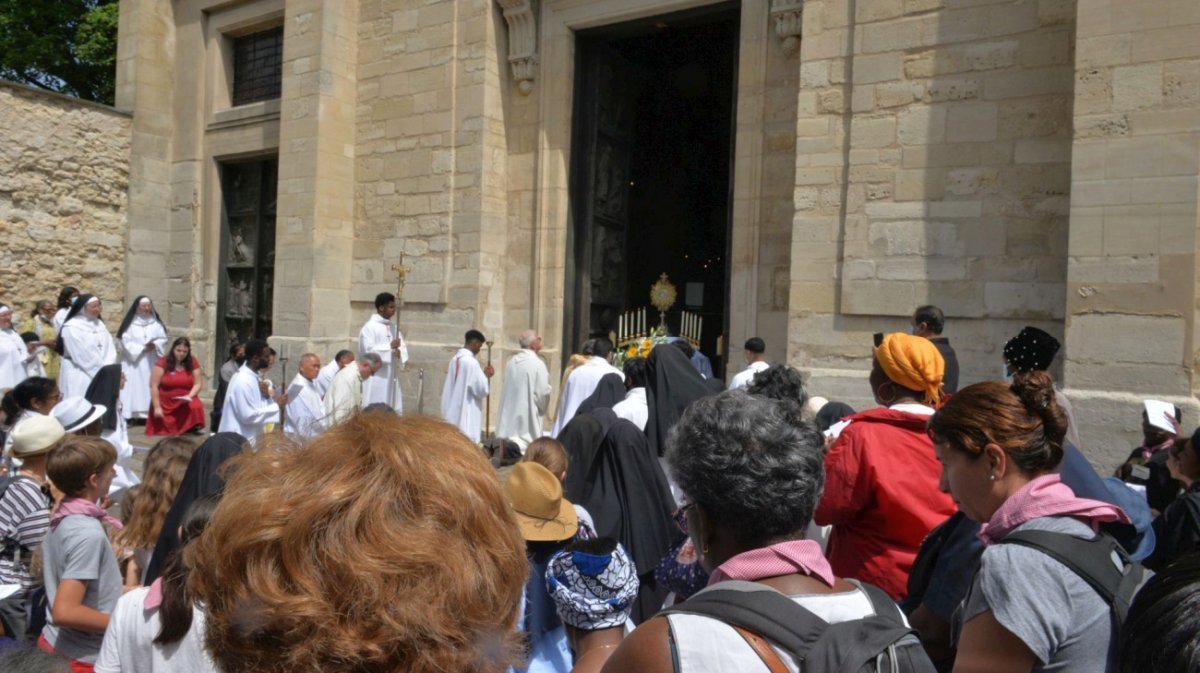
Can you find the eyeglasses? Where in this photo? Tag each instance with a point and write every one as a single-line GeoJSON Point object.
{"type": "Point", "coordinates": [681, 518]}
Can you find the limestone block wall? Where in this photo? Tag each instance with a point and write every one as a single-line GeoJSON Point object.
{"type": "Point", "coordinates": [1132, 282]}
{"type": "Point", "coordinates": [430, 174]}
{"type": "Point", "coordinates": [63, 197]}
{"type": "Point", "coordinates": [932, 166]}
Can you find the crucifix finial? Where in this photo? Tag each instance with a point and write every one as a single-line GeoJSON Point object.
{"type": "Point", "coordinates": [401, 274]}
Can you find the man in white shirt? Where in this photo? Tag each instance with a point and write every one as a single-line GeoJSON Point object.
{"type": "Point", "coordinates": [634, 407]}
{"type": "Point", "coordinates": [582, 382]}
{"type": "Point", "coordinates": [248, 405]}
{"type": "Point", "coordinates": [466, 387]}
{"type": "Point", "coordinates": [525, 394]}
{"type": "Point", "coordinates": [345, 396]}
{"type": "Point", "coordinates": [755, 362]}
{"type": "Point", "coordinates": [305, 416]}
{"type": "Point", "coordinates": [380, 337]}
{"type": "Point", "coordinates": [325, 376]}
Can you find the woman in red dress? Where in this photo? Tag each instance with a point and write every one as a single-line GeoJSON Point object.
{"type": "Point", "coordinates": [174, 388]}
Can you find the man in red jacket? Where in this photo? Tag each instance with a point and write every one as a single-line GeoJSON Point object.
{"type": "Point", "coordinates": [881, 474]}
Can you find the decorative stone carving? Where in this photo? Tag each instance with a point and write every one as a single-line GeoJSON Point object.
{"type": "Point", "coordinates": [789, 22]}
{"type": "Point", "coordinates": [522, 41]}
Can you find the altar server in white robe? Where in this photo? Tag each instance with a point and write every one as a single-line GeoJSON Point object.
{"type": "Point", "coordinates": [305, 417]}
{"type": "Point", "coordinates": [143, 339]}
{"type": "Point", "coordinates": [582, 382]}
{"type": "Point", "coordinates": [325, 376]}
{"type": "Point", "coordinates": [13, 351]}
{"type": "Point", "coordinates": [525, 394]}
{"type": "Point", "coordinates": [248, 406]}
{"type": "Point", "coordinates": [378, 335]}
{"type": "Point", "coordinates": [86, 346]}
{"type": "Point", "coordinates": [344, 397]}
{"type": "Point", "coordinates": [466, 387]}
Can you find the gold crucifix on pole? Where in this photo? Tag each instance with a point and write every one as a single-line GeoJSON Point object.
{"type": "Point", "coordinates": [397, 361]}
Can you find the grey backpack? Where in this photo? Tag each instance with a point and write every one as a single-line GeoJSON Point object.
{"type": "Point", "coordinates": [880, 643]}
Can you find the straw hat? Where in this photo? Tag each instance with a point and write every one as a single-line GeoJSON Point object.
{"type": "Point", "coordinates": [36, 435]}
{"type": "Point", "coordinates": [543, 514]}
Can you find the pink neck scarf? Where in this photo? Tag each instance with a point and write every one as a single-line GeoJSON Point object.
{"type": "Point", "coordinates": [784, 558]}
{"type": "Point", "coordinates": [154, 597]}
{"type": "Point", "coordinates": [1148, 451]}
{"type": "Point", "coordinates": [72, 505]}
{"type": "Point", "coordinates": [1046, 496]}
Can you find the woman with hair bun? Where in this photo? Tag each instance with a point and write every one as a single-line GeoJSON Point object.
{"type": "Point", "coordinates": [384, 544]}
{"type": "Point", "coordinates": [1000, 446]}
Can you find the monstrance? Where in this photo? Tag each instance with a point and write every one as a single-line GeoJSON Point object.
{"type": "Point", "coordinates": [662, 296]}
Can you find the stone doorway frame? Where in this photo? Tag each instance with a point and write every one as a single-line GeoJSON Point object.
{"type": "Point", "coordinates": [559, 19]}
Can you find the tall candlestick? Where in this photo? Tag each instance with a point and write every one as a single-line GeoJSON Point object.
{"type": "Point", "coordinates": [699, 329]}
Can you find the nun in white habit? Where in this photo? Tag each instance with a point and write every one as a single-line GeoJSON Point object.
{"type": "Point", "coordinates": [86, 346]}
{"type": "Point", "coordinates": [13, 351]}
{"type": "Point", "coordinates": [143, 339]}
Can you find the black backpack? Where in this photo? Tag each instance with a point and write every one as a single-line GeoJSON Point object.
{"type": "Point", "coordinates": [879, 643]}
{"type": "Point", "coordinates": [1100, 561]}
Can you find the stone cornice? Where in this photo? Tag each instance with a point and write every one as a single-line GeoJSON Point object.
{"type": "Point", "coordinates": [522, 41]}
{"type": "Point", "coordinates": [789, 20]}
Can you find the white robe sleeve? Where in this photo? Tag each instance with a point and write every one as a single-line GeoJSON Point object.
{"type": "Point", "coordinates": [83, 349]}
{"type": "Point", "coordinates": [541, 389]}
{"type": "Point", "coordinates": [132, 343]}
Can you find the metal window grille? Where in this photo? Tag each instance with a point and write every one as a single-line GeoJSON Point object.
{"type": "Point", "coordinates": [257, 66]}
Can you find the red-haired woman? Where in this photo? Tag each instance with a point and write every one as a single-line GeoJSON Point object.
{"type": "Point", "coordinates": [1000, 445]}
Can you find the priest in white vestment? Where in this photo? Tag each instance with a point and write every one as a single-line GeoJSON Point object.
{"type": "Point", "coordinates": [143, 339]}
{"type": "Point", "coordinates": [525, 394]}
{"type": "Point", "coordinates": [86, 346]}
{"type": "Point", "coordinates": [381, 337]}
{"type": "Point", "coordinates": [466, 387]}
{"type": "Point", "coordinates": [305, 412]}
{"type": "Point", "coordinates": [345, 395]}
{"type": "Point", "coordinates": [325, 376]}
{"type": "Point", "coordinates": [634, 408]}
{"type": "Point", "coordinates": [13, 351]}
{"type": "Point", "coordinates": [582, 382]}
{"type": "Point", "coordinates": [248, 406]}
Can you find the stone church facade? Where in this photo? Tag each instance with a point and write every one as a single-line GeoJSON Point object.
{"type": "Point", "coordinates": [1012, 161]}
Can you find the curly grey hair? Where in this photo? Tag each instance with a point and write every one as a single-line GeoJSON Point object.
{"type": "Point", "coordinates": [753, 465]}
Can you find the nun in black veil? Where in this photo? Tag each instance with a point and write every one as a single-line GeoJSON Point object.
{"type": "Point", "coordinates": [609, 390]}
{"type": "Point", "coordinates": [673, 383]}
{"type": "Point", "coordinates": [615, 476]}
{"type": "Point", "coordinates": [203, 477]}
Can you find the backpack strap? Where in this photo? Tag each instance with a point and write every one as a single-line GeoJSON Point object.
{"type": "Point", "coordinates": [1099, 561]}
{"type": "Point", "coordinates": [759, 609]}
{"type": "Point", "coordinates": [763, 649]}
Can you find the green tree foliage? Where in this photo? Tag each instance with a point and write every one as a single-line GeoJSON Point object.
{"type": "Point", "coordinates": [68, 46]}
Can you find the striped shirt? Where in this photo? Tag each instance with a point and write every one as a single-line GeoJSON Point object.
{"type": "Point", "coordinates": [24, 521]}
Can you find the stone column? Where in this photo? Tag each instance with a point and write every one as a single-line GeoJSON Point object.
{"type": "Point", "coordinates": [145, 84]}
{"type": "Point", "coordinates": [315, 211]}
{"type": "Point", "coordinates": [1132, 284]}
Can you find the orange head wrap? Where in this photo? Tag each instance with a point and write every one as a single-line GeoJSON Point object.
{"type": "Point", "coordinates": [913, 362]}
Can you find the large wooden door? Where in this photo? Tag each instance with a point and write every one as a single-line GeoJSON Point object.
{"type": "Point", "coordinates": [607, 89]}
{"type": "Point", "coordinates": [247, 253]}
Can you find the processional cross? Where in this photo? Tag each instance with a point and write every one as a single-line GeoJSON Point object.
{"type": "Point", "coordinates": [401, 276]}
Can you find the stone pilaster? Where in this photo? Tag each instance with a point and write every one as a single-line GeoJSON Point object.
{"type": "Point", "coordinates": [145, 86]}
{"type": "Point", "coordinates": [1132, 283]}
{"type": "Point", "coordinates": [315, 212]}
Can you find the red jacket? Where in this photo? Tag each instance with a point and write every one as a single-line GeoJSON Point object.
{"type": "Point", "coordinates": [882, 497]}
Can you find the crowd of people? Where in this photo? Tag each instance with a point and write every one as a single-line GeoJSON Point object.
{"type": "Point", "coordinates": [654, 519]}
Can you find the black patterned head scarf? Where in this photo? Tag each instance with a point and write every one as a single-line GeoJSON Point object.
{"type": "Point", "coordinates": [1032, 350]}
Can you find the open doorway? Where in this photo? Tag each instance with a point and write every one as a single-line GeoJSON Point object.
{"type": "Point", "coordinates": [651, 175]}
